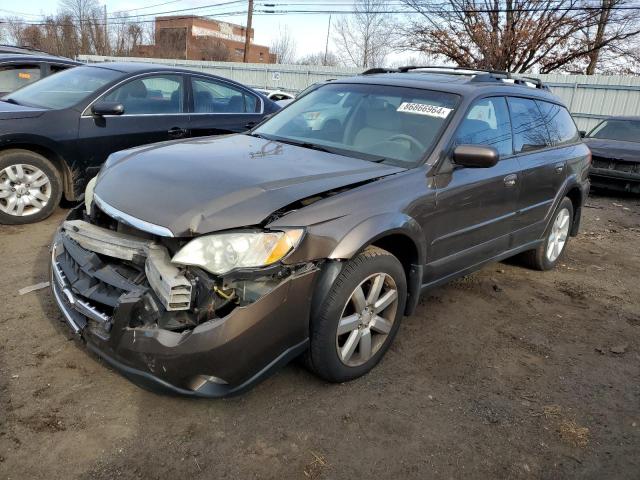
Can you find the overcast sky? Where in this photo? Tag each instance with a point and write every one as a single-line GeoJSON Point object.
{"type": "Point", "coordinates": [309, 31]}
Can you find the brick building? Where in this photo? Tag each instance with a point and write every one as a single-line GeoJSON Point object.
{"type": "Point", "coordinates": [198, 38]}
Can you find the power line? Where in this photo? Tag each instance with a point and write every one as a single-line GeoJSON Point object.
{"type": "Point", "coordinates": [152, 6]}
{"type": "Point", "coordinates": [116, 20]}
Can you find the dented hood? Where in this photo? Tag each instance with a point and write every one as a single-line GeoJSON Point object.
{"type": "Point", "coordinates": [614, 149]}
{"type": "Point", "coordinates": [216, 183]}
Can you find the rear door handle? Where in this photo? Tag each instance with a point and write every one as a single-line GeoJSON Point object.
{"type": "Point", "coordinates": [559, 167]}
{"type": "Point", "coordinates": [510, 180]}
{"type": "Point", "coordinates": [177, 132]}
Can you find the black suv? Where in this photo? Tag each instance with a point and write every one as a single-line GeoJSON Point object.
{"type": "Point", "coordinates": [199, 266]}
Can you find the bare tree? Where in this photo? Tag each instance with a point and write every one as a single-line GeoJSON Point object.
{"type": "Point", "coordinates": [283, 46]}
{"type": "Point", "coordinates": [319, 59]}
{"type": "Point", "coordinates": [15, 27]}
{"type": "Point", "coordinates": [362, 38]}
{"type": "Point", "coordinates": [610, 35]}
{"type": "Point", "coordinates": [513, 35]}
{"type": "Point", "coordinates": [83, 13]}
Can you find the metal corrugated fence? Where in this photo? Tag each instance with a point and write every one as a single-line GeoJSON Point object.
{"type": "Point", "coordinates": [589, 97]}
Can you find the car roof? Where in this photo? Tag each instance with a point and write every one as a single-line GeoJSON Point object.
{"type": "Point", "coordinates": [141, 67]}
{"type": "Point", "coordinates": [28, 57]}
{"type": "Point", "coordinates": [469, 84]}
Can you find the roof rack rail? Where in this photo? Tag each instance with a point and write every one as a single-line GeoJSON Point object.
{"type": "Point", "coordinates": [480, 74]}
{"type": "Point", "coordinates": [455, 69]}
{"type": "Point", "coordinates": [373, 71]}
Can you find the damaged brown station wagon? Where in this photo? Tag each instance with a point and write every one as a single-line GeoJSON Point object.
{"type": "Point", "coordinates": [199, 266]}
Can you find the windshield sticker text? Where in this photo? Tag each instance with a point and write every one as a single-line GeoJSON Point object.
{"type": "Point", "coordinates": [422, 109]}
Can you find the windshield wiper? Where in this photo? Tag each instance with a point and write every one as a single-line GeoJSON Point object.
{"type": "Point", "coordinates": [10, 100]}
{"type": "Point", "coordinates": [309, 145]}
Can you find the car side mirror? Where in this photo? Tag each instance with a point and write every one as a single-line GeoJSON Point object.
{"type": "Point", "coordinates": [475, 156]}
{"type": "Point", "coordinates": [107, 108]}
{"type": "Point", "coordinates": [583, 133]}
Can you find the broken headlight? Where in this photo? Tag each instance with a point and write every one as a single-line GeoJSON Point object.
{"type": "Point", "coordinates": [221, 253]}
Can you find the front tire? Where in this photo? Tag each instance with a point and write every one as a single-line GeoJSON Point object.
{"type": "Point", "coordinates": [30, 187]}
{"type": "Point", "coordinates": [550, 251]}
{"type": "Point", "coordinates": [356, 324]}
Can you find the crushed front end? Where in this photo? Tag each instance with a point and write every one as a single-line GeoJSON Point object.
{"type": "Point", "coordinates": [174, 327]}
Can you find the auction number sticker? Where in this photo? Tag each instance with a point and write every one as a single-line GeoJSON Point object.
{"type": "Point", "coordinates": [423, 109]}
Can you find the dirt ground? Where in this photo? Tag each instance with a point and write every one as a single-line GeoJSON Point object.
{"type": "Point", "coordinates": [506, 373]}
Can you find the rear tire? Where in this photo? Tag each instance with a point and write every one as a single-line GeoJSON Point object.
{"type": "Point", "coordinates": [556, 238]}
{"type": "Point", "coordinates": [30, 187]}
{"type": "Point", "coordinates": [360, 317]}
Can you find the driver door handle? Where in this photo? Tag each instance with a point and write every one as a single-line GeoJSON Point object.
{"type": "Point", "coordinates": [510, 180]}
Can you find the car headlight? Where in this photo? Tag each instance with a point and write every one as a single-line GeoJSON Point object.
{"type": "Point", "coordinates": [223, 252]}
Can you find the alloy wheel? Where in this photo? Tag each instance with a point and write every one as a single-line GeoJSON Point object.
{"type": "Point", "coordinates": [367, 319]}
{"type": "Point", "coordinates": [558, 235]}
{"type": "Point", "coordinates": [24, 190]}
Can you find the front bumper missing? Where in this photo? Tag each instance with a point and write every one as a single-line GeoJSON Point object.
{"type": "Point", "coordinates": [220, 357]}
{"type": "Point", "coordinates": [620, 180]}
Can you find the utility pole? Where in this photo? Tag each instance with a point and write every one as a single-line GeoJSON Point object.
{"type": "Point", "coordinates": [106, 32]}
{"type": "Point", "coordinates": [247, 37]}
{"type": "Point", "coordinates": [326, 46]}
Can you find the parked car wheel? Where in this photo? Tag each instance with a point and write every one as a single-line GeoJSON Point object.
{"type": "Point", "coordinates": [30, 187]}
{"type": "Point", "coordinates": [547, 255]}
{"type": "Point", "coordinates": [360, 318]}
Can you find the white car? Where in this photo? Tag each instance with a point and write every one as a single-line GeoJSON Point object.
{"type": "Point", "coordinates": [275, 95]}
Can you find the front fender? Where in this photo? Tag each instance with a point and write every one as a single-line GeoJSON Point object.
{"type": "Point", "coordinates": [374, 228]}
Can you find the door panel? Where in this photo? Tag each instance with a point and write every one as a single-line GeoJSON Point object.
{"type": "Point", "coordinates": [544, 170]}
{"type": "Point", "coordinates": [153, 112]}
{"type": "Point", "coordinates": [475, 207]}
{"type": "Point", "coordinates": [221, 108]}
{"type": "Point", "coordinates": [542, 176]}
{"type": "Point", "coordinates": [475, 212]}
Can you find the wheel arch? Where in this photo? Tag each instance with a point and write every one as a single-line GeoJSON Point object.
{"type": "Point", "coordinates": [68, 185]}
{"type": "Point", "coordinates": [574, 193]}
{"type": "Point", "coordinates": [401, 236]}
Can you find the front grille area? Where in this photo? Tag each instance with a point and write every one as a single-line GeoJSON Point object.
{"type": "Point", "coordinates": [90, 286]}
{"type": "Point", "coordinates": [99, 269]}
{"type": "Point", "coordinates": [611, 164]}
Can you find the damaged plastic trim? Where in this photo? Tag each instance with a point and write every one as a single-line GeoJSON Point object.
{"type": "Point", "coordinates": [130, 220]}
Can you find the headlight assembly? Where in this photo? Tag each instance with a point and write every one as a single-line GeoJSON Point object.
{"type": "Point", "coordinates": [223, 252]}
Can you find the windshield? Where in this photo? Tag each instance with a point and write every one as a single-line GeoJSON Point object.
{"type": "Point", "coordinates": [398, 125]}
{"type": "Point", "coordinates": [63, 89]}
{"type": "Point", "coordinates": [623, 130]}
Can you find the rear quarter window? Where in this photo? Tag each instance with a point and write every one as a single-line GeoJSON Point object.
{"type": "Point", "coordinates": [560, 126]}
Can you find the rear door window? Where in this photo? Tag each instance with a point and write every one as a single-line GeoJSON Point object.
{"type": "Point", "coordinates": [487, 123]}
{"type": "Point", "coordinates": [218, 97]}
{"type": "Point", "coordinates": [529, 129]}
{"type": "Point", "coordinates": [12, 77]}
{"type": "Point", "coordinates": [561, 127]}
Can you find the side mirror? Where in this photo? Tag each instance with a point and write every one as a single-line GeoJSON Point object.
{"type": "Point", "coordinates": [107, 108]}
{"type": "Point", "coordinates": [475, 156]}
{"type": "Point", "coordinates": [583, 133]}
